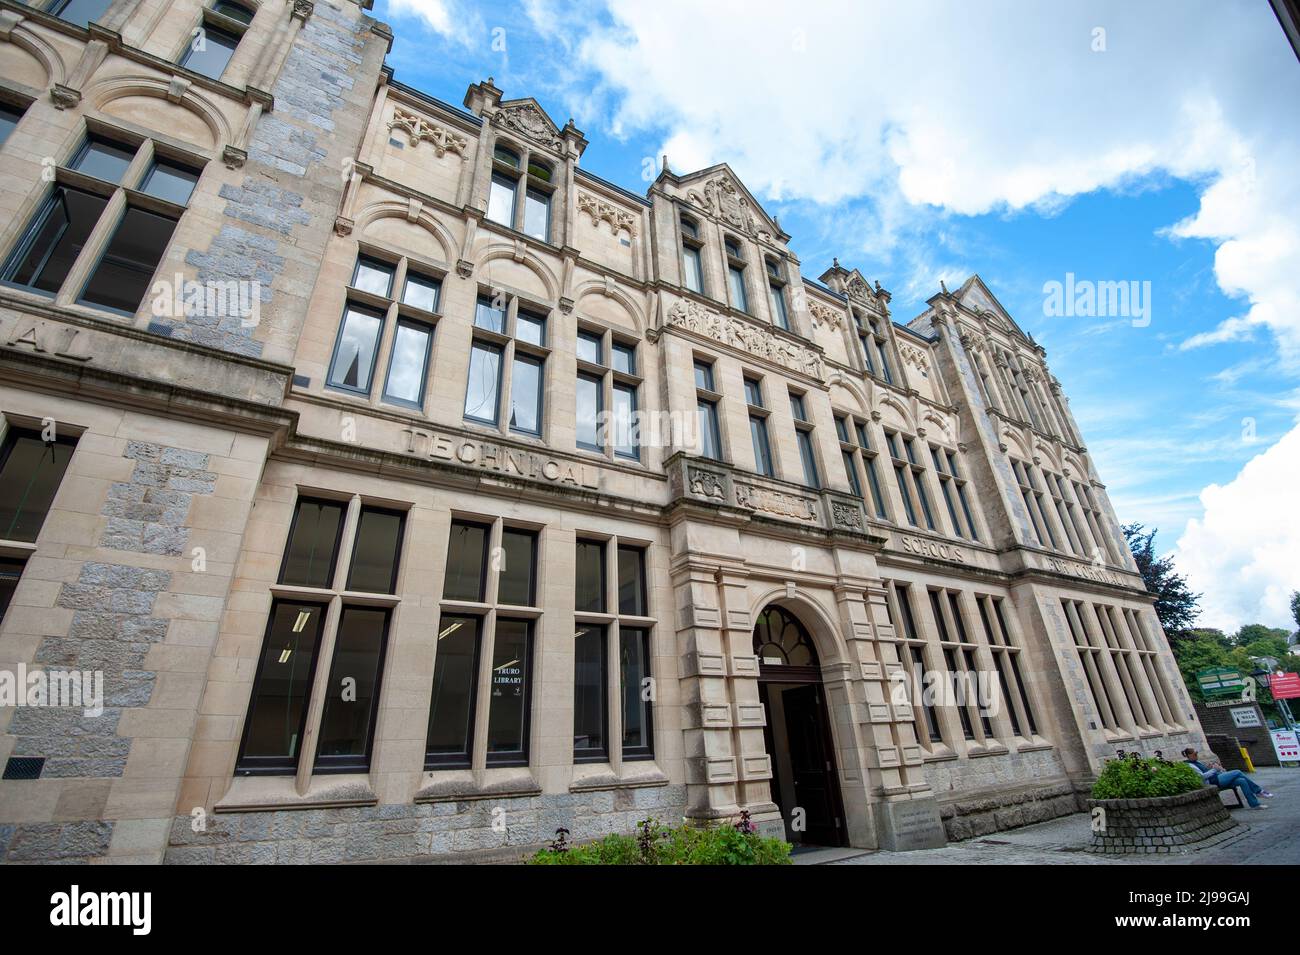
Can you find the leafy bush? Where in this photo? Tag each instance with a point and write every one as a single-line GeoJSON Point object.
{"type": "Point", "coordinates": [654, 844]}
{"type": "Point", "coordinates": [1131, 777]}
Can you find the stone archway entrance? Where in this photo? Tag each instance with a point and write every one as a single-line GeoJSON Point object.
{"type": "Point", "coordinates": [805, 782]}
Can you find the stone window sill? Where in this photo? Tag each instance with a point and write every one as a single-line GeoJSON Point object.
{"type": "Point", "coordinates": [271, 793]}
{"type": "Point", "coordinates": [996, 749]}
{"type": "Point", "coordinates": [939, 754]}
{"type": "Point", "coordinates": [593, 777]}
{"type": "Point", "coordinates": [462, 785]}
{"type": "Point", "coordinates": [1035, 745]}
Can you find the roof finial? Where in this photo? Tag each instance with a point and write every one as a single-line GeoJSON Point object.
{"type": "Point", "coordinates": [835, 262]}
{"type": "Point", "coordinates": [666, 162]}
{"type": "Point", "coordinates": [944, 287]}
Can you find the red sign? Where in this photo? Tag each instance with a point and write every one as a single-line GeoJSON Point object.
{"type": "Point", "coordinates": [1284, 686]}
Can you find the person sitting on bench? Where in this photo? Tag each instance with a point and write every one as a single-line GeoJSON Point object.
{"type": "Point", "coordinates": [1228, 779]}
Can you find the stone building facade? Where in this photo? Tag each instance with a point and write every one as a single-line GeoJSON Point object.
{"type": "Point", "coordinates": [416, 492]}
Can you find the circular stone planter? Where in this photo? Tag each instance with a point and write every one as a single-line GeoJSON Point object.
{"type": "Point", "coordinates": [1159, 824]}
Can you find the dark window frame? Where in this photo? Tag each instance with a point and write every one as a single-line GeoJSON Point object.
{"type": "Point", "coordinates": [595, 754]}
{"type": "Point", "coordinates": [10, 441]}
{"type": "Point", "coordinates": [534, 542]}
{"type": "Point", "coordinates": [530, 645]}
{"type": "Point", "coordinates": [279, 765]}
{"type": "Point", "coordinates": [356, 541]}
{"type": "Point", "coordinates": [348, 307]}
{"type": "Point", "coordinates": [602, 547]}
{"type": "Point", "coordinates": [499, 350]}
{"type": "Point", "coordinates": [360, 763]}
{"type": "Point", "coordinates": [130, 206]}
{"type": "Point", "coordinates": [436, 761]}
{"type": "Point", "coordinates": [485, 526]}
{"type": "Point", "coordinates": [646, 751]}
{"type": "Point", "coordinates": [334, 551]}
{"type": "Point", "coordinates": [429, 330]}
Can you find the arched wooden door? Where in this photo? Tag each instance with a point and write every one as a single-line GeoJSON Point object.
{"type": "Point", "coordinates": [805, 783]}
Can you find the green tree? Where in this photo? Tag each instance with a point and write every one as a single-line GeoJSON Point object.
{"type": "Point", "coordinates": [1199, 650]}
{"type": "Point", "coordinates": [1258, 640]}
{"type": "Point", "coordinates": [1176, 605]}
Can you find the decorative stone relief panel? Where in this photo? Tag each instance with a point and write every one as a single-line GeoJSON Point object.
{"type": "Point", "coordinates": [602, 211]}
{"type": "Point", "coordinates": [915, 357]}
{"type": "Point", "coordinates": [735, 333]}
{"type": "Point", "coordinates": [780, 503]}
{"type": "Point", "coordinates": [418, 128]}
{"type": "Point", "coordinates": [824, 316]}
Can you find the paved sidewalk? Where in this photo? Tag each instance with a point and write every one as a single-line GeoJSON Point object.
{"type": "Point", "coordinates": [1267, 837]}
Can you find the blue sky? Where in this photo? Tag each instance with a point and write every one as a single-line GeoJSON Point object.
{"type": "Point", "coordinates": [1118, 142]}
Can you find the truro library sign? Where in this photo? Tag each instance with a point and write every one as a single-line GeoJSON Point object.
{"type": "Point", "coordinates": [502, 459]}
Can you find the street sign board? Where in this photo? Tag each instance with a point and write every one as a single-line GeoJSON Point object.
{"type": "Point", "coordinates": [1245, 716]}
{"type": "Point", "coordinates": [1284, 686]}
{"type": "Point", "coordinates": [1286, 745]}
{"type": "Point", "coordinates": [1217, 682]}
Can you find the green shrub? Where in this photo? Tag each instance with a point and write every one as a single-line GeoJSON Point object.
{"type": "Point", "coordinates": [1132, 777]}
{"type": "Point", "coordinates": [653, 844]}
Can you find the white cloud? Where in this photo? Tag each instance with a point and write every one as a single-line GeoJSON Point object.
{"type": "Point", "coordinates": [1007, 106]}
{"type": "Point", "coordinates": [910, 115]}
{"type": "Point", "coordinates": [1244, 554]}
{"type": "Point", "coordinates": [443, 17]}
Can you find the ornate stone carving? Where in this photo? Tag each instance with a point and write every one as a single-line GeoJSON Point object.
{"type": "Point", "coordinates": [721, 198]}
{"type": "Point", "coordinates": [233, 156]}
{"type": "Point", "coordinates": [735, 333]}
{"type": "Point", "coordinates": [847, 515]}
{"type": "Point", "coordinates": [858, 290]}
{"type": "Point", "coordinates": [464, 268]}
{"type": "Point", "coordinates": [343, 226]}
{"type": "Point", "coordinates": [704, 483]}
{"type": "Point", "coordinates": [64, 97]}
{"type": "Point", "coordinates": [418, 128]}
{"type": "Point", "coordinates": [602, 211]}
{"type": "Point", "coordinates": [914, 356]}
{"type": "Point", "coordinates": [529, 121]}
{"type": "Point", "coordinates": [825, 316]}
{"type": "Point", "coordinates": [754, 497]}
{"type": "Point", "coordinates": [302, 9]}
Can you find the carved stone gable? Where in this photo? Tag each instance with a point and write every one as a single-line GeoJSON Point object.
{"type": "Point", "coordinates": [721, 198]}
{"type": "Point", "coordinates": [529, 121]}
{"type": "Point", "coordinates": [859, 291]}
